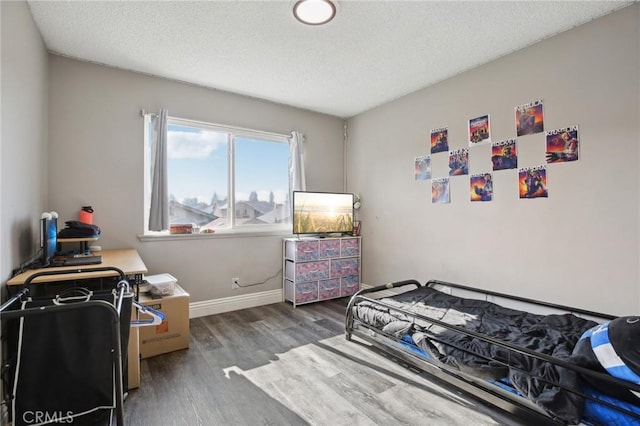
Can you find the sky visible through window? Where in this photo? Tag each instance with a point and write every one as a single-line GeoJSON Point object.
{"type": "Point", "coordinates": [197, 164]}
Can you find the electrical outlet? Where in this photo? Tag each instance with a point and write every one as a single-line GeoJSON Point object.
{"type": "Point", "coordinates": [235, 283]}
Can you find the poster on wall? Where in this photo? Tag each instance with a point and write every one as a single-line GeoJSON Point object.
{"type": "Point", "coordinates": [562, 145]}
{"type": "Point", "coordinates": [532, 182]}
{"type": "Point", "coordinates": [529, 118]}
{"type": "Point", "coordinates": [504, 155]}
{"type": "Point", "coordinates": [422, 167]}
{"type": "Point", "coordinates": [479, 131]}
{"type": "Point", "coordinates": [459, 162]}
{"type": "Point", "coordinates": [440, 191]}
{"type": "Point", "coordinates": [481, 185]}
{"type": "Point", "coordinates": [439, 140]}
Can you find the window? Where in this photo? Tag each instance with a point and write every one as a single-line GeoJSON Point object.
{"type": "Point", "coordinates": [226, 179]}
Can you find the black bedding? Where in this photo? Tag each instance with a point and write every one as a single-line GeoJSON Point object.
{"type": "Point", "coordinates": [553, 335]}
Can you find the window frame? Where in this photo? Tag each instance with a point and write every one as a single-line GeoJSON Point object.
{"type": "Point", "coordinates": [233, 229]}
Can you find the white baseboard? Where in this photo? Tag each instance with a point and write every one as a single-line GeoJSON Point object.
{"type": "Point", "coordinates": [234, 303]}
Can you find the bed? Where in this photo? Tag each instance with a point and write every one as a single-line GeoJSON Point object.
{"type": "Point", "coordinates": [543, 362]}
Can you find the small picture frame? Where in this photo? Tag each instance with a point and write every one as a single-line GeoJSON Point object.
{"type": "Point", "coordinates": [356, 228]}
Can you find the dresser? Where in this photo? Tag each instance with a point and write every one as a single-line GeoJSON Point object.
{"type": "Point", "coordinates": [317, 269]}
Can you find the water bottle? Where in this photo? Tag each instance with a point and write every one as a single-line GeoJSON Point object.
{"type": "Point", "coordinates": [86, 215]}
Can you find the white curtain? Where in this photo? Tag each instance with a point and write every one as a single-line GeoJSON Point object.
{"type": "Point", "coordinates": [296, 163]}
{"type": "Point", "coordinates": [159, 209]}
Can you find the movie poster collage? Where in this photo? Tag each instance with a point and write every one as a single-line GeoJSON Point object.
{"type": "Point", "coordinates": [561, 146]}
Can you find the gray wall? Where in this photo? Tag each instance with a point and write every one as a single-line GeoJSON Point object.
{"type": "Point", "coordinates": [578, 247]}
{"type": "Point", "coordinates": [96, 158]}
{"type": "Point", "coordinates": [23, 148]}
{"type": "Point", "coordinates": [24, 135]}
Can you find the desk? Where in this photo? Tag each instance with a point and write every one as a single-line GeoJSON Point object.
{"type": "Point", "coordinates": [127, 260]}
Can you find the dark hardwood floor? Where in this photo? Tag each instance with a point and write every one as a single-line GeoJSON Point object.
{"type": "Point", "coordinates": [279, 365]}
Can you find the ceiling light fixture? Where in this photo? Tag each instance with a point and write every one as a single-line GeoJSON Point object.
{"type": "Point", "coordinates": [314, 12]}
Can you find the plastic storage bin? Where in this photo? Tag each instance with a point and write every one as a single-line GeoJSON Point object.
{"type": "Point", "coordinates": [161, 284]}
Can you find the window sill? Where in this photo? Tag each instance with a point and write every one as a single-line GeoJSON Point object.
{"type": "Point", "coordinates": [215, 235]}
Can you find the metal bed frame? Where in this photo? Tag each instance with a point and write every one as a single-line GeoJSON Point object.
{"type": "Point", "coordinates": [487, 391]}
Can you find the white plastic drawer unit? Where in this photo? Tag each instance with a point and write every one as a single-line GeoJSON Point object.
{"type": "Point", "coordinates": [318, 269]}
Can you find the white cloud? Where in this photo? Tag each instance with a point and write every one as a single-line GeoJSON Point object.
{"type": "Point", "coordinates": [193, 145]}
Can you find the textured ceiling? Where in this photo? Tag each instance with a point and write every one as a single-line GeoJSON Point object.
{"type": "Point", "coordinates": [373, 51]}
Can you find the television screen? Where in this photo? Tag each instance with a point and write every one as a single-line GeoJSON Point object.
{"type": "Point", "coordinates": [322, 212]}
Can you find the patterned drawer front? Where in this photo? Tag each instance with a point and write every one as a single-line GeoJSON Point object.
{"type": "Point", "coordinates": [307, 292]}
{"type": "Point", "coordinates": [344, 267]}
{"type": "Point", "coordinates": [329, 289]}
{"type": "Point", "coordinates": [350, 247]}
{"type": "Point", "coordinates": [306, 251]}
{"type": "Point", "coordinates": [312, 271]}
{"type": "Point", "coordinates": [349, 285]}
{"type": "Point", "coordinates": [328, 248]}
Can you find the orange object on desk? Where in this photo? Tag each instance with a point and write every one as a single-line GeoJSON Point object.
{"type": "Point", "coordinates": [86, 215]}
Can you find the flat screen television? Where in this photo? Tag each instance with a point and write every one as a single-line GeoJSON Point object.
{"type": "Point", "coordinates": [48, 237]}
{"type": "Point", "coordinates": [322, 212]}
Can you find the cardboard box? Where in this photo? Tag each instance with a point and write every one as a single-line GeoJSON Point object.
{"type": "Point", "coordinates": [133, 359]}
{"type": "Point", "coordinates": [173, 333]}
